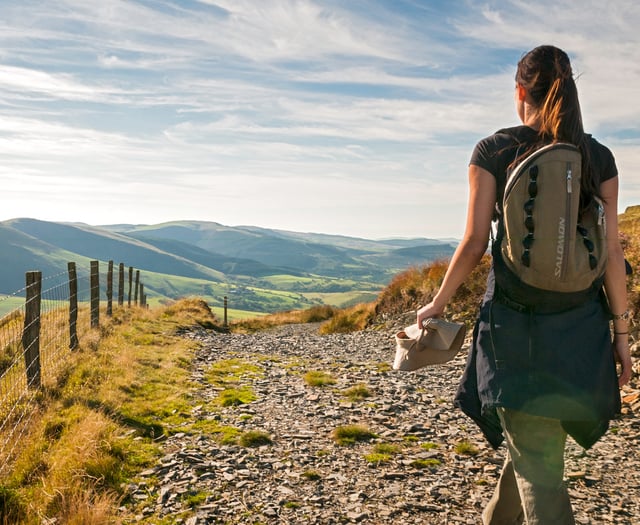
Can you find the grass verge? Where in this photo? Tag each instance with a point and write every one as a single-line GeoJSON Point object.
{"type": "Point", "coordinates": [117, 398]}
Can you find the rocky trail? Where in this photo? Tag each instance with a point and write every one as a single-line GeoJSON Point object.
{"type": "Point", "coordinates": [432, 464]}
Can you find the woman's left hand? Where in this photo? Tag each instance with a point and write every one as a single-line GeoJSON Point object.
{"type": "Point", "coordinates": [623, 356]}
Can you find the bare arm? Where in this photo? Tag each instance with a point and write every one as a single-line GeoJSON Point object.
{"type": "Point", "coordinates": [482, 198]}
{"type": "Point", "coordinates": [615, 279]}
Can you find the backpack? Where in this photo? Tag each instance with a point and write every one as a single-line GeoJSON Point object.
{"type": "Point", "coordinates": [550, 250]}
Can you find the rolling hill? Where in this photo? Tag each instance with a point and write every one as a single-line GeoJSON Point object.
{"type": "Point", "coordinates": [262, 270]}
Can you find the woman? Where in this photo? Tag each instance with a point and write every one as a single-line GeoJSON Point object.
{"type": "Point", "coordinates": [559, 374]}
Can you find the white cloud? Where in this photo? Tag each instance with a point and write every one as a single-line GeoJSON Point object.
{"type": "Point", "coordinates": [286, 113]}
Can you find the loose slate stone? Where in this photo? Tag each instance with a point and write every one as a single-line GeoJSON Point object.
{"type": "Point", "coordinates": [408, 471]}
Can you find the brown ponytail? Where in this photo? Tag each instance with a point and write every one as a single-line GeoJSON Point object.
{"type": "Point", "coordinates": [546, 74]}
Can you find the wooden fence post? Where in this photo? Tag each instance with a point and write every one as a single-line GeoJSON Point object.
{"type": "Point", "coordinates": [120, 284]}
{"type": "Point", "coordinates": [95, 294]}
{"type": "Point", "coordinates": [225, 312]}
{"type": "Point", "coordinates": [73, 306]}
{"type": "Point", "coordinates": [110, 289]}
{"type": "Point", "coordinates": [143, 299]}
{"type": "Point", "coordinates": [130, 283]}
{"type": "Point", "coordinates": [31, 332]}
{"type": "Point", "coordinates": [137, 288]}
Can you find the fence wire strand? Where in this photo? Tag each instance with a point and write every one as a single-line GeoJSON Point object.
{"type": "Point", "coordinates": [29, 365]}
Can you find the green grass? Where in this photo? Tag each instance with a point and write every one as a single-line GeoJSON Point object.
{"type": "Point", "coordinates": [425, 463]}
{"type": "Point", "coordinates": [377, 458]}
{"type": "Point", "coordinates": [126, 386]}
{"type": "Point", "coordinates": [194, 498]}
{"type": "Point", "coordinates": [387, 448]}
{"type": "Point", "coordinates": [311, 475]}
{"type": "Point", "coordinates": [351, 434]}
{"type": "Point", "coordinates": [235, 396]}
{"type": "Point", "coordinates": [382, 453]}
{"type": "Point", "coordinates": [234, 314]}
{"type": "Point", "coordinates": [319, 378]}
{"type": "Point", "coordinates": [9, 304]}
{"type": "Point", "coordinates": [466, 448]}
{"type": "Point", "coordinates": [226, 435]}
{"type": "Point", "coordinates": [357, 393]}
{"type": "Point", "coordinates": [232, 371]}
{"type": "Point", "coordinates": [254, 438]}
{"type": "Point", "coordinates": [343, 299]}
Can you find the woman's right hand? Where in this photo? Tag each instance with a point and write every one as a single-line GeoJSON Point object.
{"type": "Point", "coordinates": [428, 311]}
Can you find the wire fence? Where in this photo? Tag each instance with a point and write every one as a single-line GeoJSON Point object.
{"type": "Point", "coordinates": [38, 338]}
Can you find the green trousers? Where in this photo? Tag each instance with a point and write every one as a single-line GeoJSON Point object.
{"type": "Point", "coordinates": [531, 489]}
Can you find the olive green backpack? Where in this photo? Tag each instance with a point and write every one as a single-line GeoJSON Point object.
{"type": "Point", "coordinates": [550, 251]}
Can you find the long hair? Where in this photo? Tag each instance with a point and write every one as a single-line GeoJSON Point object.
{"type": "Point", "coordinates": [546, 73]}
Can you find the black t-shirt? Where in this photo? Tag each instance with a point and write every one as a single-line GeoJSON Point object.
{"type": "Point", "coordinates": [496, 153]}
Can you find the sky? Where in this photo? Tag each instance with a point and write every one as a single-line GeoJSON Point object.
{"type": "Point", "coordinates": [348, 117]}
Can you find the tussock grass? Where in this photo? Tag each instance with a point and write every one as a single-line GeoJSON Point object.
{"type": "Point", "coordinates": [350, 434]}
{"type": "Point", "coordinates": [466, 448]}
{"type": "Point", "coordinates": [377, 458]}
{"type": "Point", "coordinates": [425, 463]}
{"type": "Point", "coordinates": [319, 378]}
{"type": "Point", "coordinates": [358, 393]}
{"type": "Point", "coordinates": [254, 438]}
{"type": "Point", "coordinates": [226, 435]}
{"type": "Point", "coordinates": [311, 475]}
{"type": "Point", "coordinates": [382, 453]}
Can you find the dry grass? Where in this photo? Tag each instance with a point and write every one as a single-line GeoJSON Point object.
{"type": "Point", "coordinates": [127, 386]}
{"type": "Point", "coordinates": [357, 317]}
{"type": "Point", "coordinates": [319, 378]}
{"type": "Point", "coordinates": [416, 286]}
{"type": "Point", "coordinates": [99, 421]}
{"type": "Point", "coordinates": [314, 314]}
{"type": "Point", "coordinates": [630, 237]}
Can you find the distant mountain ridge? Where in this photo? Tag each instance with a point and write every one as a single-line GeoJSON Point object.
{"type": "Point", "coordinates": [256, 264]}
{"type": "Point", "coordinates": [331, 255]}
